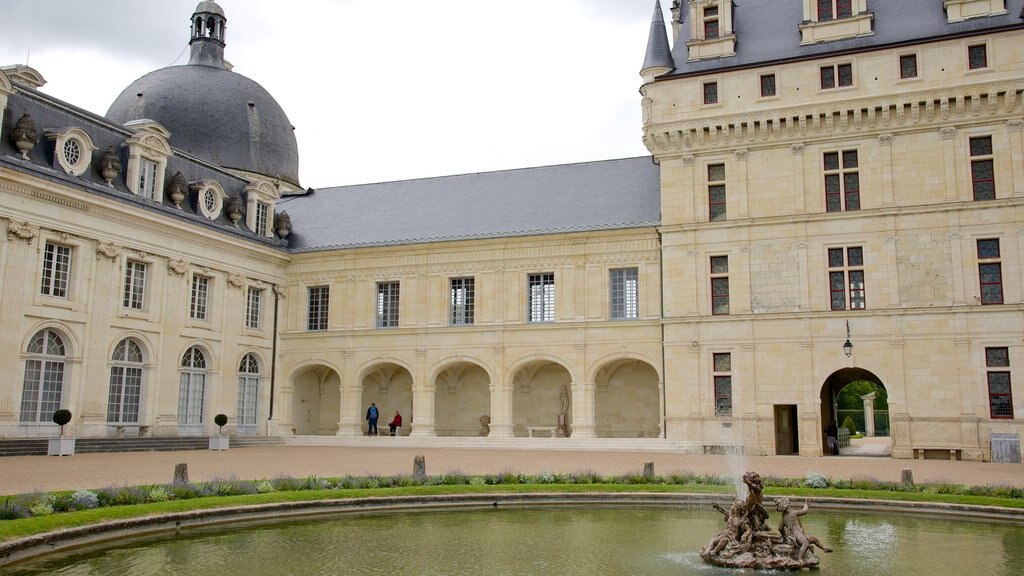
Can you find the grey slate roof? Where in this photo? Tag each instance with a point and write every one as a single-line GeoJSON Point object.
{"type": "Point", "coordinates": [767, 31]}
{"type": "Point", "coordinates": [603, 195]}
{"type": "Point", "coordinates": [658, 52]}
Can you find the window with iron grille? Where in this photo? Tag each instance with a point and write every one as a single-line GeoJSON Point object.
{"type": "Point", "coordinates": [1000, 394]}
{"type": "Point", "coordinates": [842, 181]}
{"type": "Point", "coordinates": [711, 92]}
{"type": "Point", "coordinates": [716, 192]}
{"type": "Point", "coordinates": [43, 385]}
{"type": "Point", "coordinates": [462, 300]}
{"type": "Point", "coordinates": [318, 304]}
{"type": "Point", "coordinates": [908, 66]}
{"type": "Point", "coordinates": [56, 270]}
{"type": "Point", "coordinates": [624, 295]}
{"type": "Point", "coordinates": [834, 9]}
{"type": "Point", "coordinates": [767, 85]}
{"type": "Point", "coordinates": [134, 285]}
{"type": "Point", "coordinates": [983, 182]}
{"type": "Point", "coordinates": [846, 278]}
{"type": "Point", "coordinates": [387, 304]}
{"type": "Point", "coordinates": [990, 271]}
{"type": "Point", "coordinates": [200, 297]}
{"type": "Point", "coordinates": [125, 383]}
{"type": "Point", "coordinates": [711, 22]}
{"type": "Point", "coordinates": [977, 56]}
{"type": "Point", "coordinates": [541, 304]}
{"type": "Point", "coordinates": [722, 374]}
{"type": "Point", "coordinates": [253, 307]}
{"type": "Point", "coordinates": [836, 76]}
{"type": "Point", "coordinates": [719, 285]}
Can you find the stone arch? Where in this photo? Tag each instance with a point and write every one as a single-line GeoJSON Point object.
{"type": "Point", "coordinates": [316, 399]}
{"type": "Point", "coordinates": [462, 396]}
{"type": "Point", "coordinates": [72, 347]}
{"type": "Point", "coordinates": [627, 398]}
{"type": "Point", "coordinates": [388, 384]}
{"type": "Point", "coordinates": [829, 393]}
{"type": "Point", "coordinates": [148, 352]}
{"type": "Point", "coordinates": [537, 384]}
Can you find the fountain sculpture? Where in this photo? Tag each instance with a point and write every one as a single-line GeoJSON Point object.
{"type": "Point", "coordinates": [748, 542]}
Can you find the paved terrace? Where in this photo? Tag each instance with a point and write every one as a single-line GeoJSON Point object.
{"type": "Point", "coordinates": [385, 456]}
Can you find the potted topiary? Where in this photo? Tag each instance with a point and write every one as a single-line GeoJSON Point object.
{"type": "Point", "coordinates": [219, 442]}
{"type": "Point", "coordinates": [61, 446]}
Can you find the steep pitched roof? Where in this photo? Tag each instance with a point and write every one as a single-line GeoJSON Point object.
{"type": "Point", "coordinates": [603, 195]}
{"type": "Point", "coordinates": [659, 55]}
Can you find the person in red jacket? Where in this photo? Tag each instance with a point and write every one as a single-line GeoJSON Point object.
{"type": "Point", "coordinates": [396, 422]}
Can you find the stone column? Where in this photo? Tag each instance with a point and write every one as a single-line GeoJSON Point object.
{"type": "Point", "coordinates": [351, 411]}
{"type": "Point", "coordinates": [584, 419]}
{"type": "Point", "coordinates": [869, 414]}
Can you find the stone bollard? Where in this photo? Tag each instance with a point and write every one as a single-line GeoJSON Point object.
{"type": "Point", "coordinates": [649, 470]}
{"type": "Point", "coordinates": [180, 474]}
{"type": "Point", "coordinates": [907, 477]}
{"type": "Point", "coordinates": [419, 468]}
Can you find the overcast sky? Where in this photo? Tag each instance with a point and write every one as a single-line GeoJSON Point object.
{"type": "Point", "coordinates": [378, 90]}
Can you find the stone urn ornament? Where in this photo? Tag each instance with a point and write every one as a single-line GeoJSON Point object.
{"type": "Point", "coordinates": [176, 188]}
{"type": "Point", "coordinates": [109, 166]}
{"type": "Point", "coordinates": [283, 224]}
{"type": "Point", "coordinates": [234, 209]}
{"type": "Point", "coordinates": [25, 134]}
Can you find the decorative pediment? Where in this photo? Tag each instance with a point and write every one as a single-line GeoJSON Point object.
{"type": "Point", "coordinates": [22, 75]}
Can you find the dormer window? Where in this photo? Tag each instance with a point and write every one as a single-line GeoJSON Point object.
{"type": "Point", "coordinates": [261, 197]}
{"type": "Point", "coordinates": [72, 150]}
{"type": "Point", "coordinates": [960, 10]}
{"type": "Point", "coordinates": [711, 30]}
{"type": "Point", "coordinates": [148, 152]}
{"type": "Point", "coordinates": [209, 198]}
{"type": "Point", "coordinates": [828, 20]}
{"type": "Point", "coordinates": [711, 22]}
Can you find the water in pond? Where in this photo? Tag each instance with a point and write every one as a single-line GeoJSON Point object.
{"type": "Point", "coordinates": [540, 541]}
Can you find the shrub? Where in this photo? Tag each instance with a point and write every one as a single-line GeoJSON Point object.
{"type": "Point", "coordinates": [185, 491]}
{"type": "Point", "coordinates": [85, 500]}
{"type": "Point", "coordinates": [815, 480]}
{"type": "Point", "coordinates": [158, 494]}
{"type": "Point", "coordinates": [313, 483]}
{"type": "Point", "coordinates": [545, 477]}
{"type": "Point", "coordinates": [61, 501]}
{"type": "Point", "coordinates": [264, 486]}
{"type": "Point", "coordinates": [849, 425]}
{"type": "Point", "coordinates": [61, 417]}
{"type": "Point", "coordinates": [452, 478]}
{"type": "Point", "coordinates": [286, 484]}
{"type": "Point", "coordinates": [220, 420]}
{"type": "Point", "coordinates": [42, 507]}
{"type": "Point", "coordinates": [13, 510]}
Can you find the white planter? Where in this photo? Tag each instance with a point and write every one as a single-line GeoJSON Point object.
{"type": "Point", "coordinates": [219, 442]}
{"type": "Point", "coordinates": [61, 446]}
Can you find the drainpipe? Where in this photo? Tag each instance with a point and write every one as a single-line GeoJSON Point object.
{"type": "Point", "coordinates": [661, 319]}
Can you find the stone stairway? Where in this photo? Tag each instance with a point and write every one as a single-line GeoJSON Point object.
{"type": "Point", "coordinates": [37, 446]}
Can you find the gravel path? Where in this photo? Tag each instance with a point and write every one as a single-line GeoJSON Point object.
{"type": "Point", "coordinates": [26, 474]}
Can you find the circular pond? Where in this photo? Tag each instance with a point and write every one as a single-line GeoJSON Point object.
{"type": "Point", "coordinates": [567, 541]}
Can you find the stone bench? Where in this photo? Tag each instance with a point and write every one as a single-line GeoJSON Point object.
{"type": "Point", "coordinates": [530, 430]}
{"type": "Point", "coordinates": [920, 453]}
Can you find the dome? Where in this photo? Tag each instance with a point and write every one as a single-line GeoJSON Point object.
{"type": "Point", "coordinates": [211, 112]}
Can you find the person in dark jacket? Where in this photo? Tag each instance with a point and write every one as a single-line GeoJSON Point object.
{"type": "Point", "coordinates": [371, 419]}
{"type": "Point", "coordinates": [395, 423]}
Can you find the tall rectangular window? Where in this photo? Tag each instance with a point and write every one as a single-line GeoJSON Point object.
{"type": "Point", "coordinates": [541, 305]}
{"type": "Point", "coordinates": [716, 192]}
{"type": "Point", "coordinates": [711, 22]}
{"type": "Point", "coordinates": [719, 285]}
{"type": "Point", "coordinates": [387, 304]}
{"type": "Point", "coordinates": [318, 305]}
{"type": "Point", "coordinates": [624, 294]}
{"type": "Point", "coordinates": [977, 56]}
{"type": "Point", "coordinates": [723, 383]}
{"type": "Point", "coordinates": [842, 181]}
{"type": "Point", "coordinates": [983, 181]}
{"type": "Point", "coordinates": [846, 278]}
{"type": "Point", "coordinates": [836, 75]}
{"type": "Point", "coordinates": [56, 270]}
{"type": "Point", "coordinates": [147, 178]}
{"type": "Point", "coordinates": [134, 285]}
{"type": "Point", "coordinates": [990, 271]}
{"type": "Point", "coordinates": [1000, 397]}
{"type": "Point", "coordinates": [462, 301]}
{"type": "Point", "coordinates": [711, 92]}
{"type": "Point", "coordinates": [262, 215]}
{"type": "Point", "coordinates": [767, 85]}
{"type": "Point", "coordinates": [253, 307]}
{"type": "Point", "coordinates": [200, 297]}
{"type": "Point", "coordinates": [908, 66]}
{"type": "Point", "coordinates": [833, 9]}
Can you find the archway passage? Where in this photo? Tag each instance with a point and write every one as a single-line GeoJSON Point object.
{"type": "Point", "coordinates": [842, 404]}
{"type": "Point", "coordinates": [389, 386]}
{"type": "Point", "coordinates": [537, 399]}
{"type": "Point", "coordinates": [316, 401]}
{"type": "Point", "coordinates": [627, 402]}
{"type": "Point", "coordinates": [462, 398]}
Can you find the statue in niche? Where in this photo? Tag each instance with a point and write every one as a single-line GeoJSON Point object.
{"type": "Point", "coordinates": [485, 425]}
{"type": "Point", "coordinates": [563, 413]}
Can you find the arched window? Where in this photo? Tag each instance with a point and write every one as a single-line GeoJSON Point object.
{"type": "Point", "coordinates": [248, 394]}
{"type": "Point", "coordinates": [125, 383]}
{"type": "Point", "coordinates": [192, 392]}
{"type": "Point", "coordinates": [44, 377]}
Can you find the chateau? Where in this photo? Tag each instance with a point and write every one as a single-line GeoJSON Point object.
{"type": "Point", "coordinates": [835, 193]}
